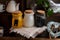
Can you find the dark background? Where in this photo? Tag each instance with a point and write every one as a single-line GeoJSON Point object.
{"type": "Point", "coordinates": [24, 4]}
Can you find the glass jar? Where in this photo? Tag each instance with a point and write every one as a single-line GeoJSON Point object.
{"type": "Point", "coordinates": [39, 18]}
{"type": "Point", "coordinates": [17, 21]}
{"type": "Point", "coordinates": [29, 18]}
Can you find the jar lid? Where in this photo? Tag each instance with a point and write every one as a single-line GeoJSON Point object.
{"type": "Point", "coordinates": [41, 11]}
{"type": "Point", "coordinates": [28, 11]}
{"type": "Point", "coordinates": [17, 13]}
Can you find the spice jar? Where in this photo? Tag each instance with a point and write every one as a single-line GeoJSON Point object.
{"type": "Point", "coordinates": [39, 18]}
{"type": "Point", "coordinates": [17, 21]}
{"type": "Point", "coordinates": [29, 18]}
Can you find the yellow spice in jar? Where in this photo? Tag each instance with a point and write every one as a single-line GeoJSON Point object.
{"type": "Point", "coordinates": [17, 20]}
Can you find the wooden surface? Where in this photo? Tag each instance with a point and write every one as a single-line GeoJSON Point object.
{"type": "Point", "coordinates": [18, 38]}
{"type": "Point", "coordinates": [55, 17]}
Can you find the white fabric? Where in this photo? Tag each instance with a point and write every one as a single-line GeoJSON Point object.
{"type": "Point", "coordinates": [56, 25]}
{"type": "Point", "coordinates": [30, 32]}
{"type": "Point", "coordinates": [54, 6]}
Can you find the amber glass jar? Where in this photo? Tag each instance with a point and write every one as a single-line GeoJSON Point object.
{"type": "Point", "coordinates": [17, 21]}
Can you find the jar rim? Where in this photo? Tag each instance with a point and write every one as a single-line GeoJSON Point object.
{"type": "Point", "coordinates": [41, 11]}
{"type": "Point", "coordinates": [28, 11]}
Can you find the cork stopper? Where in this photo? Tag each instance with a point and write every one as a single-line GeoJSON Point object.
{"type": "Point", "coordinates": [28, 11]}
{"type": "Point", "coordinates": [41, 11]}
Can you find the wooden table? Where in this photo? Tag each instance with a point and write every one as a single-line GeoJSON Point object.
{"type": "Point", "coordinates": [18, 38]}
